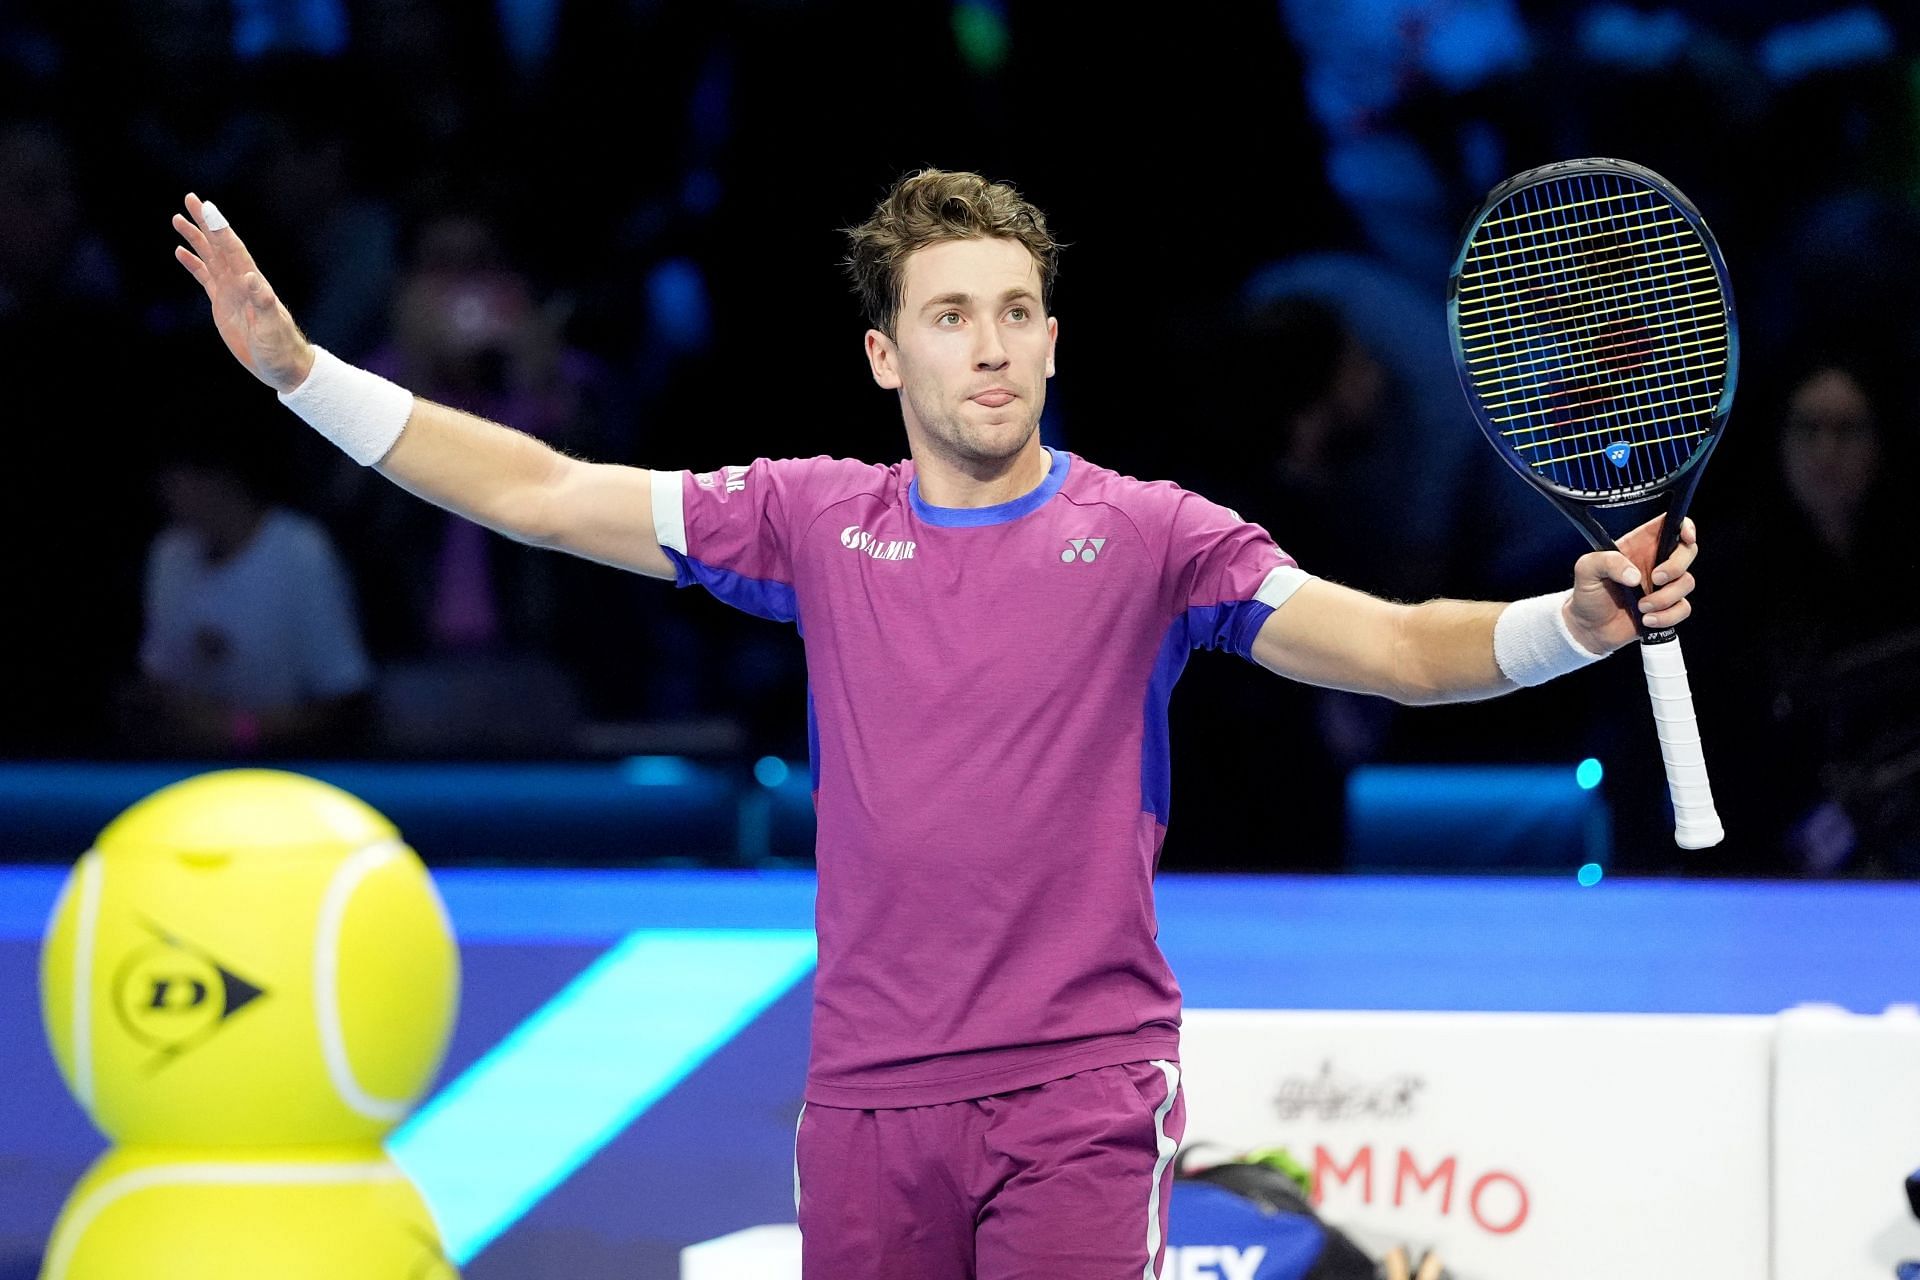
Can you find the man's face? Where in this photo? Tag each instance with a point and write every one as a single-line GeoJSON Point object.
{"type": "Point", "coordinates": [972, 350]}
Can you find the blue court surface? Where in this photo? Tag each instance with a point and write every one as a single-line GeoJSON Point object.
{"type": "Point", "coordinates": [627, 1066]}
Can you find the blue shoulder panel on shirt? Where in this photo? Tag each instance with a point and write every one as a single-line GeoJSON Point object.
{"type": "Point", "coordinates": [1231, 624]}
{"type": "Point", "coordinates": [761, 597]}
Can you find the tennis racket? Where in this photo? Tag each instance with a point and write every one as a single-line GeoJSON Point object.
{"type": "Point", "coordinates": [1594, 334]}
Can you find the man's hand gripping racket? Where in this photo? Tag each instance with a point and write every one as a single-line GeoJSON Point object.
{"type": "Point", "coordinates": [1594, 335]}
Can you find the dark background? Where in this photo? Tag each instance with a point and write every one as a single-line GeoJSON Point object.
{"type": "Point", "coordinates": [618, 225]}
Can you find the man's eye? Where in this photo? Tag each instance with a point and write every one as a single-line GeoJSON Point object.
{"type": "Point", "coordinates": [946, 316]}
{"type": "Point", "coordinates": [1017, 313]}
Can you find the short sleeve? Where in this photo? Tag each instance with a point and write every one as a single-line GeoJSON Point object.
{"type": "Point", "coordinates": [731, 530]}
{"type": "Point", "coordinates": [1225, 574]}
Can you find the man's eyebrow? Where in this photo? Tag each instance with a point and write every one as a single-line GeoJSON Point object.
{"type": "Point", "coordinates": [963, 299]}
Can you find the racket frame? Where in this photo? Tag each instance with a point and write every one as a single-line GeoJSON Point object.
{"type": "Point", "coordinates": [1697, 824]}
{"type": "Point", "coordinates": [1682, 481]}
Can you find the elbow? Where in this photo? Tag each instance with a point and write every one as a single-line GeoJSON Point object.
{"type": "Point", "coordinates": [1408, 691]}
{"type": "Point", "coordinates": [526, 518]}
{"type": "Point", "coordinates": [531, 514]}
{"type": "Point", "coordinates": [1411, 678]}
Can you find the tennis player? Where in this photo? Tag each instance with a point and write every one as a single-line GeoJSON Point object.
{"type": "Point", "coordinates": [992, 630]}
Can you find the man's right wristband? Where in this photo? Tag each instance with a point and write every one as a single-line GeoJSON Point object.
{"type": "Point", "coordinates": [361, 412]}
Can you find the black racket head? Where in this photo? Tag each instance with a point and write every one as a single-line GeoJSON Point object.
{"type": "Point", "coordinates": [1593, 330]}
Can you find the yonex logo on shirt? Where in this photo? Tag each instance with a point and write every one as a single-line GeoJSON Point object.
{"type": "Point", "coordinates": [1083, 549]}
{"type": "Point", "coordinates": [854, 538]}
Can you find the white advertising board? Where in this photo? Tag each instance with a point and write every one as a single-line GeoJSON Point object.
{"type": "Point", "coordinates": [1577, 1146]}
{"type": "Point", "coordinates": [1846, 1133]}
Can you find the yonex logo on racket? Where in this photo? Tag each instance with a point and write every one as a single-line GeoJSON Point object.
{"type": "Point", "coordinates": [1082, 549]}
{"type": "Point", "coordinates": [1618, 452]}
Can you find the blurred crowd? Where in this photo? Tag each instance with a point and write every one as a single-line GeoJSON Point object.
{"type": "Point", "coordinates": [614, 225]}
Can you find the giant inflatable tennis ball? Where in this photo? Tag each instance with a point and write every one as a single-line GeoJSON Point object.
{"type": "Point", "coordinates": [244, 959]}
{"type": "Point", "coordinates": [292, 1214]}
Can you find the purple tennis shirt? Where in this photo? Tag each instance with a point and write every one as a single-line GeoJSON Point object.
{"type": "Point", "coordinates": [987, 718]}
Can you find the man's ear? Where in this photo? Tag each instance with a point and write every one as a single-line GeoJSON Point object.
{"type": "Point", "coordinates": [884, 358]}
{"type": "Point", "coordinates": [1053, 340]}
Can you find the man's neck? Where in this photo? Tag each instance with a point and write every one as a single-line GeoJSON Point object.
{"type": "Point", "coordinates": [945, 482]}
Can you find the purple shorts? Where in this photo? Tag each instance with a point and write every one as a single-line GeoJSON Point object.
{"type": "Point", "coordinates": [1067, 1180]}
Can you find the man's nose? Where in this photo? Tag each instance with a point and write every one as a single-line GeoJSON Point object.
{"type": "Point", "coordinates": [988, 351]}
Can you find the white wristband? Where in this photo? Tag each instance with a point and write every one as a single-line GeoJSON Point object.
{"type": "Point", "coordinates": [1531, 642]}
{"type": "Point", "coordinates": [361, 412]}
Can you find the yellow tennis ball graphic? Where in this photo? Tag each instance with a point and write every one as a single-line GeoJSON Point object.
{"type": "Point", "coordinates": [293, 1214]}
{"type": "Point", "coordinates": [248, 958]}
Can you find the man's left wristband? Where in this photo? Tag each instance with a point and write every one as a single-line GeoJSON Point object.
{"type": "Point", "coordinates": [1532, 643]}
{"type": "Point", "coordinates": [361, 412]}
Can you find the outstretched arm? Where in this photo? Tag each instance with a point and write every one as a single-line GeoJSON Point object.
{"type": "Point", "coordinates": [491, 474]}
{"type": "Point", "coordinates": [1443, 650]}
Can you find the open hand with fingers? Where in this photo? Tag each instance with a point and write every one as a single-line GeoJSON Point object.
{"type": "Point", "coordinates": [1608, 608]}
{"type": "Point", "coordinates": [255, 326]}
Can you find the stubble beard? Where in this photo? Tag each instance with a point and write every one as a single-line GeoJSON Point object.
{"type": "Point", "coordinates": [972, 447]}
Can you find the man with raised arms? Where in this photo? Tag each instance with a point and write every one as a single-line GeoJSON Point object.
{"type": "Point", "coordinates": [992, 631]}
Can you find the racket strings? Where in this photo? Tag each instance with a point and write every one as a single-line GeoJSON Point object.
{"type": "Point", "coordinates": [1615, 322]}
{"type": "Point", "coordinates": [1712, 339]}
{"type": "Point", "coordinates": [1562, 304]}
{"type": "Point", "coordinates": [1574, 204]}
{"type": "Point", "coordinates": [1534, 240]}
{"type": "Point", "coordinates": [1638, 337]}
{"type": "Point", "coordinates": [1582, 404]}
{"type": "Point", "coordinates": [1542, 303]}
{"type": "Point", "coordinates": [1605, 431]}
{"type": "Point", "coordinates": [1477, 279]}
{"type": "Point", "coordinates": [1595, 453]}
{"type": "Point", "coordinates": [1672, 243]}
{"type": "Point", "coordinates": [1555, 399]}
{"type": "Point", "coordinates": [1523, 323]}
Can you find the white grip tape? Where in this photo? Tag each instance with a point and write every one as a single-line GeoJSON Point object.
{"type": "Point", "coordinates": [1696, 825]}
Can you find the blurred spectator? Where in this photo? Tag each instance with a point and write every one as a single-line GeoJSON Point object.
{"type": "Point", "coordinates": [679, 275]}
{"type": "Point", "coordinates": [1325, 467]}
{"type": "Point", "coordinates": [251, 643]}
{"type": "Point", "coordinates": [335, 250]}
{"type": "Point", "coordinates": [1375, 72]}
{"type": "Point", "coordinates": [173, 71]}
{"type": "Point", "coordinates": [469, 332]}
{"type": "Point", "coordinates": [1804, 592]}
{"type": "Point", "coordinates": [468, 612]}
{"type": "Point", "coordinates": [49, 256]}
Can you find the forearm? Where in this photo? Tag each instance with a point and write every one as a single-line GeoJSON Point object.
{"type": "Point", "coordinates": [1441, 651]}
{"type": "Point", "coordinates": [1445, 653]}
{"type": "Point", "coordinates": [492, 475]}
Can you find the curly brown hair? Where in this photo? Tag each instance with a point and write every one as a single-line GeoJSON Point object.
{"type": "Point", "coordinates": [928, 207]}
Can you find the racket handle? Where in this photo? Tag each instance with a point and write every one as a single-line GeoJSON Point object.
{"type": "Point", "coordinates": [1696, 824]}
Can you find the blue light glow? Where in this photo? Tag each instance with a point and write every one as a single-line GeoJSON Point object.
{"type": "Point", "coordinates": [770, 771]}
{"type": "Point", "coordinates": [1590, 874]}
{"type": "Point", "coordinates": [657, 771]}
{"type": "Point", "coordinates": [1589, 773]}
{"type": "Point", "coordinates": [616, 1040]}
